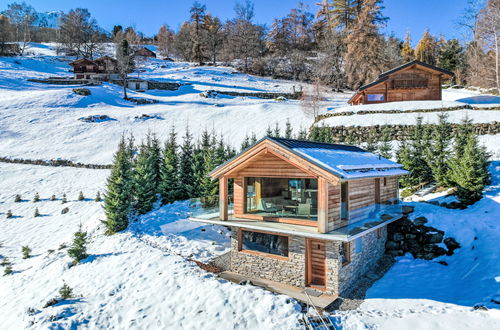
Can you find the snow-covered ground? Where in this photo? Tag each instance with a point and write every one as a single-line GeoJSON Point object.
{"type": "Point", "coordinates": [143, 278]}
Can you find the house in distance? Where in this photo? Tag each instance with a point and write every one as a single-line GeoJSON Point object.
{"type": "Point", "coordinates": [306, 214]}
{"type": "Point", "coordinates": [102, 68]}
{"type": "Point", "coordinates": [412, 81]}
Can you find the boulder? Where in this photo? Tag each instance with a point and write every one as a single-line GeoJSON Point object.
{"type": "Point", "coordinates": [451, 245]}
{"type": "Point", "coordinates": [406, 209]}
{"type": "Point", "coordinates": [386, 217]}
{"type": "Point", "coordinates": [398, 237]}
{"type": "Point", "coordinates": [65, 210]}
{"type": "Point", "coordinates": [395, 253]}
{"type": "Point", "coordinates": [82, 91]}
{"type": "Point", "coordinates": [420, 221]}
{"type": "Point", "coordinates": [433, 237]}
{"type": "Point", "coordinates": [392, 245]}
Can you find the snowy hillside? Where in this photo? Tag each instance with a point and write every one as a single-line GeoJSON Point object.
{"type": "Point", "coordinates": [146, 277]}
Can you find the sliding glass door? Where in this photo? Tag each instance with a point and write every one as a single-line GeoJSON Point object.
{"type": "Point", "coordinates": [282, 197]}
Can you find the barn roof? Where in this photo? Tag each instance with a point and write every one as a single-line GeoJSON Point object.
{"type": "Point", "coordinates": [342, 161]}
{"type": "Point", "coordinates": [82, 60]}
{"type": "Point", "coordinates": [104, 58]}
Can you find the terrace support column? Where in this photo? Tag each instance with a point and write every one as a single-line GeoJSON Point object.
{"type": "Point", "coordinates": [322, 205]}
{"type": "Point", "coordinates": [223, 198]}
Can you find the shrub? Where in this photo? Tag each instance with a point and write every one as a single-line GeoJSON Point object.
{"type": "Point", "coordinates": [51, 302]}
{"type": "Point", "coordinates": [9, 214]}
{"type": "Point", "coordinates": [26, 252]}
{"type": "Point", "coordinates": [98, 197]}
{"type": "Point", "coordinates": [66, 292]}
{"type": "Point", "coordinates": [5, 262]}
{"type": "Point", "coordinates": [37, 213]}
{"type": "Point", "coordinates": [80, 196]}
{"type": "Point", "coordinates": [78, 250]}
{"type": "Point", "coordinates": [8, 270]}
{"type": "Point", "coordinates": [17, 199]}
{"type": "Point", "coordinates": [36, 198]}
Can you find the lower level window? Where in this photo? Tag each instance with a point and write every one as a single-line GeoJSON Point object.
{"type": "Point", "coordinates": [266, 243]}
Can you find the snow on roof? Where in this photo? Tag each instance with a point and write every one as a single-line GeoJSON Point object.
{"type": "Point", "coordinates": [348, 162]}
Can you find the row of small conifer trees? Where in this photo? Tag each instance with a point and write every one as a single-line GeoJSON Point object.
{"type": "Point", "coordinates": [143, 174]}
{"type": "Point", "coordinates": [434, 153]}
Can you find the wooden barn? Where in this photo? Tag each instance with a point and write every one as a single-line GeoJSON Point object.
{"type": "Point", "coordinates": [305, 214]}
{"type": "Point", "coordinates": [144, 52]}
{"type": "Point", "coordinates": [412, 81]}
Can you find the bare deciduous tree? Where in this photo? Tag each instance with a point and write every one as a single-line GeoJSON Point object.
{"type": "Point", "coordinates": [310, 101]}
{"type": "Point", "coordinates": [80, 33]}
{"type": "Point", "coordinates": [165, 39]}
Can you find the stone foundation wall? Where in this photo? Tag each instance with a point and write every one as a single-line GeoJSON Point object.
{"type": "Point", "coordinates": [290, 271]}
{"type": "Point", "coordinates": [372, 250]}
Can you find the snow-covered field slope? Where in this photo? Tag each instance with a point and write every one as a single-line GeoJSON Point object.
{"type": "Point", "coordinates": [132, 280]}
{"type": "Point", "coordinates": [41, 121]}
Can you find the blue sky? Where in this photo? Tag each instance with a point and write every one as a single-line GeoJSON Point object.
{"type": "Point", "coordinates": [439, 16]}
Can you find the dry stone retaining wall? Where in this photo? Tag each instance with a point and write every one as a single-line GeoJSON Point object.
{"type": "Point", "coordinates": [397, 132]}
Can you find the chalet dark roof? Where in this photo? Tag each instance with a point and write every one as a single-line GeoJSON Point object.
{"type": "Point", "coordinates": [104, 58]}
{"type": "Point", "coordinates": [344, 161]}
{"type": "Point", "coordinates": [82, 60]}
{"type": "Point", "coordinates": [404, 66]}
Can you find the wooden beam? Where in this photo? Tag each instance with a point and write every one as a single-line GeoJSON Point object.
{"type": "Point", "coordinates": [322, 205]}
{"type": "Point", "coordinates": [223, 198]}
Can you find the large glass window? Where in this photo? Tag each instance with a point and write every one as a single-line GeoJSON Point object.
{"type": "Point", "coordinates": [282, 197]}
{"type": "Point", "coordinates": [267, 243]}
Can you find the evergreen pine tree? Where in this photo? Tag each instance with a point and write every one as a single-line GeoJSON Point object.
{"type": "Point", "coordinates": [9, 214]}
{"type": "Point", "coordinates": [169, 170]}
{"type": "Point", "coordinates": [26, 252]}
{"type": "Point", "coordinates": [146, 175]}
{"type": "Point", "coordinates": [277, 130]}
{"type": "Point", "coordinates": [370, 142]}
{"type": "Point", "coordinates": [36, 198]}
{"type": "Point", "coordinates": [385, 146]}
{"type": "Point", "coordinates": [37, 213]}
{"type": "Point", "coordinates": [269, 131]}
{"type": "Point", "coordinates": [80, 196]}
{"type": "Point", "coordinates": [246, 143]}
{"type": "Point", "coordinates": [17, 198]}
{"type": "Point", "coordinates": [414, 159]}
{"type": "Point", "coordinates": [186, 175]}
{"type": "Point", "coordinates": [467, 171]}
{"type": "Point", "coordinates": [221, 152]}
{"type": "Point", "coordinates": [66, 292]}
{"type": "Point", "coordinates": [288, 130]}
{"type": "Point", "coordinates": [8, 270]}
{"type": "Point", "coordinates": [117, 201]}
{"type": "Point", "coordinates": [302, 135]}
{"type": "Point", "coordinates": [78, 249]}
{"type": "Point", "coordinates": [98, 197]}
{"type": "Point", "coordinates": [64, 199]}
{"type": "Point", "coordinates": [438, 152]}
{"type": "Point", "coordinates": [53, 197]}
{"type": "Point", "coordinates": [253, 139]}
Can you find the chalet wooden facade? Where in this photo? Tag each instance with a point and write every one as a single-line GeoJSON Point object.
{"type": "Point", "coordinates": [412, 81]}
{"type": "Point", "coordinates": [102, 68]}
{"type": "Point", "coordinates": [301, 207]}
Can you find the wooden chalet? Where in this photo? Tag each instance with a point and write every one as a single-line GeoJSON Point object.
{"type": "Point", "coordinates": [102, 68]}
{"type": "Point", "coordinates": [144, 52]}
{"type": "Point", "coordinates": [412, 81]}
{"type": "Point", "coordinates": [306, 214]}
